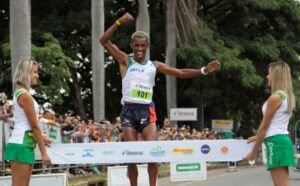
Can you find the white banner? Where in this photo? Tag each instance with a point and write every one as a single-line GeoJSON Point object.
{"type": "Point", "coordinates": [183, 114]}
{"type": "Point", "coordinates": [188, 170]}
{"type": "Point", "coordinates": [149, 151]}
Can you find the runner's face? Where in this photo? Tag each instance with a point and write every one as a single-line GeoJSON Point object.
{"type": "Point", "coordinates": [139, 47]}
{"type": "Point", "coordinates": [34, 75]}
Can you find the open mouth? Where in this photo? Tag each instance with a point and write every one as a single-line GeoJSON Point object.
{"type": "Point", "coordinates": [140, 54]}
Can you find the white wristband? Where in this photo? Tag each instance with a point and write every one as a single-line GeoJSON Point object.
{"type": "Point", "coordinates": [203, 71]}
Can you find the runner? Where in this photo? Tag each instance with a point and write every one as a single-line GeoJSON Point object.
{"type": "Point", "coordinates": [138, 73]}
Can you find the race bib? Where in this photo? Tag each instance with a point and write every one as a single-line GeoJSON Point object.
{"type": "Point", "coordinates": [140, 91]}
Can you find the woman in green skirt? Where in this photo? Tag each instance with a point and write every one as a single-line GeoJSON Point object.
{"type": "Point", "coordinates": [273, 130]}
{"type": "Point", "coordinates": [26, 133]}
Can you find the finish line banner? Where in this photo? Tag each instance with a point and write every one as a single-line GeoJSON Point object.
{"type": "Point", "coordinates": [149, 151]}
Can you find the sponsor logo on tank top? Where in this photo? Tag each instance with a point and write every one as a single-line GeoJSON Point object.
{"type": "Point", "coordinates": [136, 70]}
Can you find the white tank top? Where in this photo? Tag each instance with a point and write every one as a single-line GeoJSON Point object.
{"type": "Point", "coordinates": [138, 82]}
{"type": "Point", "coordinates": [280, 120]}
{"type": "Point", "coordinates": [21, 124]}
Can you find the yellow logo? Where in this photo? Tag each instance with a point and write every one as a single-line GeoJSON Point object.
{"type": "Point", "coordinates": [183, 151]}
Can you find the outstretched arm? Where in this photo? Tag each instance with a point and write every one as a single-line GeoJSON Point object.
{"type": "Point", "coordinates": [111, 48]}
{"type": "Point", "coordinates": [187, 73]}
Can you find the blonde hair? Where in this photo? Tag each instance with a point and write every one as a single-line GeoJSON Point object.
{"type": "Point", "coordinates": [22, 73]}
{"type": "Point", "coordinates": [140, 34]}
{"type": "Point", "coordinates": [282, 80]}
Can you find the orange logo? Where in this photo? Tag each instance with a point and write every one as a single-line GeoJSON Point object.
{"type": "Point", "coordinates": [224, 150]}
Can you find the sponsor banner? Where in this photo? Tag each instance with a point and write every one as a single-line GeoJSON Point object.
{"type": "Point", "coordinates": [183, 114]}
{"type": "Point", "coordinates": [117, 176]}
{"type": "Point", "coordinates": [149, 151]}
{"type": "Point", "coordinates": [222, 125]}
{"type": "Point", "coordinates": [188, 170]}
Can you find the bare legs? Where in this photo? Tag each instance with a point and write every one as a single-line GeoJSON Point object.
{"type": "Point", "coordinates": [21, 173]}
{"type": "Point", "coordinates": [280, 176]}
{"type": "Point", "coordinates": [149, 133]}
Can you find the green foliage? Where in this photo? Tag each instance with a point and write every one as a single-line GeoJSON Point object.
{"type": "Point", "coordinates": [246, 36]}
{"type": "Point", "coordinates": [218, 91]}
{"type": "Point", "coordinates": [54, 69]}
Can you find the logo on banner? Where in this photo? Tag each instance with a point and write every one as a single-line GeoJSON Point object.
{"type": "Point", "coordinates": [224, 150]}
{"type": "Point", "coordinates": [205, 149]}
{"type": "Point", "coordinates": [183, 151]}
{"type": "Point", "coordinates": [108, 152]}
{"type": "Point", "coordinates": [88, 153]}
{"type": "Point", "coordinates": [187, 167]}
{"type": "Point", "coordinates": [157, 151]}
{"type": "Point", "coordinates": [132, 153]}
{"type": "Point", "coordinates": [70, 154]}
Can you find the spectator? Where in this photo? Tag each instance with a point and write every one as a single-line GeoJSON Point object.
{"type": "Point", "coordinates": [5, 109]}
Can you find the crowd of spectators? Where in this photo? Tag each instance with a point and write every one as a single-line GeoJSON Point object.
{"type": "Point", "coordinates": [74, 129]}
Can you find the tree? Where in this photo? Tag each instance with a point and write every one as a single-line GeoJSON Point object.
{"type": "Point", "coordinates": [142, 20]}
{"type": "Point", "coordinates": [171, 87]}
{"type": "Point", "coordinates": [54, 72]}
{"type": "Point", "coordinates": [246, 36]}
{"type": "Point", "coordinates": [98, 60]}
{"type": "Point", "coordinates": [20, 31]}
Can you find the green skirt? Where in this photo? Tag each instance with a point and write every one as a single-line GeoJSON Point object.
{"type": "Point", "coordinates": [19, 153]}
{"type": "Point", "coordinates": [279, 151]}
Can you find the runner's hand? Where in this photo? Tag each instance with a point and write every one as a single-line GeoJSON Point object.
{"type": "Point", "coordinates": [126, 18]}
{"type": "Point", "coordinates": [212, 66]}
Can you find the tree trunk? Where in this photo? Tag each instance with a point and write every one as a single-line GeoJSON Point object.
{"type": "Point", "coordinates": [98, 60]}
{"type": "Point", "coordinates": [143, 21]}
{"type": "Point", "coordinates": [20, 32]}
{"type": "Point", "coordinates": [76, 95]}
{"type": "Point", "coordinates": [171, 88]}
{"type": "Point", "coordinates": [186, 14]}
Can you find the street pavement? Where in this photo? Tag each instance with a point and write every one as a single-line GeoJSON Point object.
{"type": "Point", "coordinates": [245, 176]}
